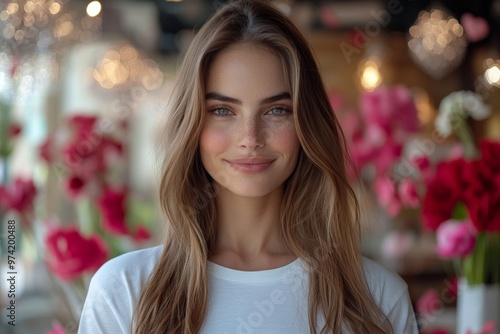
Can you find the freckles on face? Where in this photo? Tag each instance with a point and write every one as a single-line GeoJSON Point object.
{"type": "Point", "coordinates": [248, 143]}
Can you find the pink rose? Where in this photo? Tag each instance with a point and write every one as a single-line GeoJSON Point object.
{"type": "Point", "coordinates": [408, 193]}
{"type": "Point", "coordinates": [112, 209]}
{"type": "Point", "coordinates": [18, 195]}
{"type": "Point", "coordinates": [69, 253]}
{"type": "Point", "coordinates": [455, 239]}
{"type": "Point", "coordinates": [429, 302]}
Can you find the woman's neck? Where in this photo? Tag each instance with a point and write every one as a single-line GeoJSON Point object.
{"type": "Point", "coordinates": [248, 232]}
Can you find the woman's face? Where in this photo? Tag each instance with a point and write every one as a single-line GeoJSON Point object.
{"type": "Point", "coordinates": [248, 144]}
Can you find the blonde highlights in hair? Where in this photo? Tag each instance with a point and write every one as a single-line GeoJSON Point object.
{"type": "Point", "coordinates": [319, 212]}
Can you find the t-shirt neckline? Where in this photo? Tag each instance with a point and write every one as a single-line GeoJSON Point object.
{"type": "Point", "coordinates": [281, 273]}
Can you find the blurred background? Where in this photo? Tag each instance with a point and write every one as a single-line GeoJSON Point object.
{"type": "Point", "coordinates": [84, 85]}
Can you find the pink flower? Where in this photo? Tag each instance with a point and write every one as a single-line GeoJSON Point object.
{"type": "Point", "coordinates": [429, 302]}
{"type": "Point", "coordinates": [455, 239]}
{"type": "Point", "coordinates": [389, 119]}
{"type": "Point", "coordinates": [56, 330]}
{"type": "Point", "coordinates": [423, 163]}
{"type": "Point", "coordinates": [84, 124]}
{"type": "Point", "coordinates": [408, 193]}
{"type": "Point", "coordinates": [488, 328]}
{"type": "Point", "coordinates": [436, 331]}
{"type": "Point", "coordinates": [396, 244]}
{"type": "Point", "coordinates": [46, 150]}
{"type": "Point", "coordinates": [141, 234]}
{"type": "Point", "coordinates": [388, 196]}
{"type": "Point", "coordinates": [456, 152]}
{"type": "Point", "coordinates": [112, 209]}
{"type": "Point", "coordinates": [18, 195]}
{"type": "Point", "coordinates": [70, 254]}
{"type": "Point", "coordinates": [391, 108]}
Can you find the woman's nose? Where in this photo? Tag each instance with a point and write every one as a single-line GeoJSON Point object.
{"type": "Point", "coordinates": [251, 134]}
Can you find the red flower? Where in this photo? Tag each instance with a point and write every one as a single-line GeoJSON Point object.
{"type": "Point", "coordinates": [69, 254]}
{"type": "Point", "coordinates": [483, 189]}
{"type": "Point", "coordinates": [18, 195]}
{"type": "Point", "coordinates": [490, 153]}
{"type": "Point", "coordinates": [75, 186]}
{"type": "Point", "coordinates": [484, 210]}
{"type": "Point", "coordinates": [444, 191]}
{"type": "Point", "coordinates": [84, 124]}
{"type": "Point", "coordinates": [46, 150]}
{"type": "Point", "coordinates": [88, 155]}
{"type": "Point", "coordinates": [112, 209]}
{"type": "Point", "coordinates": [14, 130]}
{"type": "Point", "coordinates": [141, 234]}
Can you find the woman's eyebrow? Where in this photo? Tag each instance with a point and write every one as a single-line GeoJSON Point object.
{"type": "Point", "coordinates": [267, 100]}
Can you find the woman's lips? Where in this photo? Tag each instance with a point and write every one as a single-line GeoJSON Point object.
{"type": "Point", "coordinates": [251, 165]}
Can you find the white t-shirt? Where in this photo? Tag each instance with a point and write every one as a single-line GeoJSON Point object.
{"type": "Point", "coordinates": [240, 302]}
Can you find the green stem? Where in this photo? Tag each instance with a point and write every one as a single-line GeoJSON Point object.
{"type": "Point", "coordinates": [464, 134]}
{"type": "Point", "coordinates": [4, 138]}
{"type": "Point", "coordinates": [481, 266]}
{"type": "Point", "coordinates": [494, 255]}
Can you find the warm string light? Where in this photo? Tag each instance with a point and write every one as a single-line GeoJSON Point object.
{"type": "Point", "coordinates": [369, 73]}
{"type": "Point", "coordinates": [437, 42]}
{"type": "Point", "coordinates": [492, 72]}
{"type": "Point", "coordinates": [30, 25]}
{"type": "Point", "coordinates": [123, 66]}
{"type": "Point", "coordinates": [93, 8]}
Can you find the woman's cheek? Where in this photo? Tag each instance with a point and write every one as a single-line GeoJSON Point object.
{"type": "Point", "coordinates": [286, 138]}
{"type": "Point", "coordinates": [214, 139]}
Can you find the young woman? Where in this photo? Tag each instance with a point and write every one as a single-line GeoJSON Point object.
{"type": "Point", "coordinates": [262, 228]}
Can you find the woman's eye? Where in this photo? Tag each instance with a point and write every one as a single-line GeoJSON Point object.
{"type": "Point", "coordinates": [278, 111]}
{"type": "Point", "coordinates": [220, 112]}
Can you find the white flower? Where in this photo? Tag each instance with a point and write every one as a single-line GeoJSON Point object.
{"type": "Point", "coordinates": [474, 104]}
{"type": "Point", "coordinates": [464, 103]}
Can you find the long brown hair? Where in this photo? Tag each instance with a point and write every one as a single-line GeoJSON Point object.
{"type": "Point", "coordinates": [319, 212]}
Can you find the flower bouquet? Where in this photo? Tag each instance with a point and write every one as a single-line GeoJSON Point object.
{"type": "Point", "coordinates": [462, 198]}
{"type": "Point", "coordinates": [90, 164]}
{"type": "Point", "coordinates": [462, 205]}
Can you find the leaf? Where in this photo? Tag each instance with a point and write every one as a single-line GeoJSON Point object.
{"type": "Point", "coordinates": [460, 212]}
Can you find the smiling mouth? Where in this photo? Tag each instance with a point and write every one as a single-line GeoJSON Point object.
{"type": "Point", "coordinates": [250, 167]}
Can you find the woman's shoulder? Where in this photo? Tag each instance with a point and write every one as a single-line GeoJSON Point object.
{"type": "Point", "coordinates": [130, 269]}
{"type": "Point", "coordinates": [386, 286]}
{"type": "Point", "coordinates": [390, 293]}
